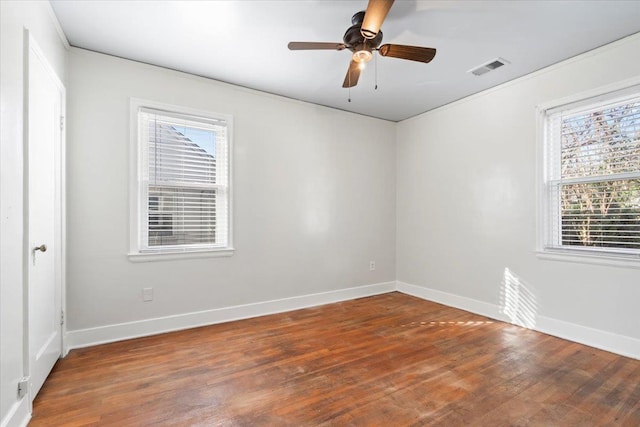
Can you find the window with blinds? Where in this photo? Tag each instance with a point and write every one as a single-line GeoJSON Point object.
{"type": "Point", "coordinates": [183, 182]}
{"type": "Point", "coordinates": [592, 175]}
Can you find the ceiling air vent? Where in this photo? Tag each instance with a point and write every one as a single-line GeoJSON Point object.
{"type": "Point", "coordinates": [489, 66]}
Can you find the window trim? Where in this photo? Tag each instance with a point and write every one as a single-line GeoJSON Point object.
{"type": "Point", "coordinates": [609, 258]}
{"type": "Point", "coordinates": [135, 189]}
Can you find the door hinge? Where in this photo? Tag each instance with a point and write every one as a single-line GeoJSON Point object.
{"type": "Point", "coordinates": [61, 123]}
{"type": "Point", "coordinates": [62, 317]}
{"type": "Point", "coordinates": [23, 386]}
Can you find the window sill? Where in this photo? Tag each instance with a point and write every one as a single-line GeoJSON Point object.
{"type": "Point", "coordinates": [629, 261]}
{"type": "Point", "coordinates": [170, 256]}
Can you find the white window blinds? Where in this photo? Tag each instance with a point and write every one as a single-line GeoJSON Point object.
{"type": "Point", "coordinates": [184, 182]}
{"type": "Point", "coordinates": [593, 176]}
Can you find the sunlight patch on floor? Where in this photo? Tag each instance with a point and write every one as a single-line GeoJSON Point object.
{"type": "Point", "coordinates": [449, 323]}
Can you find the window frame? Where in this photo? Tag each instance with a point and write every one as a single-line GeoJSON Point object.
{"type": "Point", "coordinates": [137, 189]}
{"type": "Point", "coordinates": [575, 254]}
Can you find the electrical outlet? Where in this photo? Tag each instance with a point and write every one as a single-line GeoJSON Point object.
{"type": "Point", "coordinates": [372, 265]}
{"type": "Point", "coordinates": [147, 294]}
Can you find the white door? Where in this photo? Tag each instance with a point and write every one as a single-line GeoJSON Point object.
{"type": "Point", "coordinates": [43, 164]}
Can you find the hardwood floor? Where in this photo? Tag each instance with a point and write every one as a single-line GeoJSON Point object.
{"type": "Point", "coordinates": [388, 360]}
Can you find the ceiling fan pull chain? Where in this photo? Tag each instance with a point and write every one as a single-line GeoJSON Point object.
{"type": "Point", "coordinates": [349, 74]}
{"type": "Point", "coordinates": [375, 69]}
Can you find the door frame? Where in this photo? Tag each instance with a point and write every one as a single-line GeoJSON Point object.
{"type": "Point", "coordinates": [31, 46]}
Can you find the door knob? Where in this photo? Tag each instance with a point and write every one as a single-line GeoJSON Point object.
{"type": "Point", "coordinates": [42, 248]}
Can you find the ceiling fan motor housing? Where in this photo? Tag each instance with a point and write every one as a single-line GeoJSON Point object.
{"type": "Point", "coordinates": [354, 39]}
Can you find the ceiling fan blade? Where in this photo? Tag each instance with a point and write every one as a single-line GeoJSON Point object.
{"type": "Point", "coordinates": [315, 46]}
{"type": "Point", "coordinates": [353, 74]}
{"type": "Point", "coordinates": [412, 53]}
{"type": "Point", "coordinates": [374, 17]}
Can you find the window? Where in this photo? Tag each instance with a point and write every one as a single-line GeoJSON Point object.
{"type": "Point", "coordinates": [592, 176]}
{"type": "Point", "coordinates": [182, 171]}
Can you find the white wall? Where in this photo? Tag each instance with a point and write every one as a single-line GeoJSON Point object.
{"type": "Point", "coordinates": [14, 17]}
{"type": "Point", "coordinates": [466, 200]}
{"type": "Point", "coordinates": [314, 198]}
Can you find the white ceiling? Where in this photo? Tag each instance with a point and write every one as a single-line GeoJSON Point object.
{"type": "Point", "coordinates": [245, 43]}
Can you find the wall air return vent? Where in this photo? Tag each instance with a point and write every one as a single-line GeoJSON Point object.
{"type": "Point", "coordinates": [489, 66]}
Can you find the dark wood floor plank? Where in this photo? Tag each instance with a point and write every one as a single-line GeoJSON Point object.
{"type": "Point", "coordinates": [391, 359]}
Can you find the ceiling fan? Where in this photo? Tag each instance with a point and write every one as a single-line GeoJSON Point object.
{"type": "Point", "coordinates": [364, 37]}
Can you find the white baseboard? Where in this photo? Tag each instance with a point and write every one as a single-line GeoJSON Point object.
{"type": "Point", "coordinates": [122, 331]}
{"type": "Point", "coordinates": [18, 415]}
{"type": "Point", "coordinates": [452, 300]}
{"type": "Point", "coordinates": [608, 341]}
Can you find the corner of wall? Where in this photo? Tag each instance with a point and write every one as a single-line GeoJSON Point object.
{"type": "Point", "coordinates": [603, 340]}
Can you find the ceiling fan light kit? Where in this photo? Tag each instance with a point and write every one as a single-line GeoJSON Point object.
{"type": "Point", "coordinates": [364, 37]}
{"type": "Point", "coordinates": [362, 55]}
